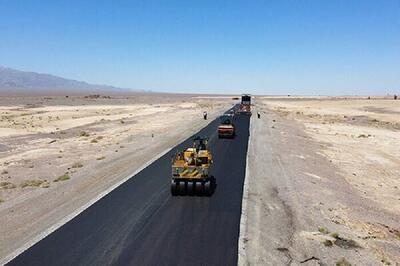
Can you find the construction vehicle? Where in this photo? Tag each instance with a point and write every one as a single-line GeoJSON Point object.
{"type": "Point", "coordinates": [191, 170]}
{"type": "Point", "coordinates": [226, 128]}
{"type": "Point", "coordinates": [245, 104]}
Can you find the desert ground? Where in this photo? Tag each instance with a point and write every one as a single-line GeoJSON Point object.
{"type": "Point", "coordinates": [323, 182]}
{"type": "Point", "coordinates": [57, 153]}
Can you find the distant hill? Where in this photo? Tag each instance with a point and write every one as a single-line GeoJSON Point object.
{"type": "Point", "coordinates": [20, 82]}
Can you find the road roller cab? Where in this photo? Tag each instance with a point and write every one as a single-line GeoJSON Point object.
{"type": "Point", "coordinates": [191, 170]}
{"type": "Point", "coordinates": [226, 128]}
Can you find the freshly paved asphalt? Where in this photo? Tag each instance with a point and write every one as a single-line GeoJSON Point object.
{"type": "Point", "coordinates": [140, 223]}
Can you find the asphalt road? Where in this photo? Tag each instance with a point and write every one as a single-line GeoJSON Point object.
{"type": "Point", "coordinates": [140, 223]}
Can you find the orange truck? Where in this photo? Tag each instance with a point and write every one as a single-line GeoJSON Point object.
{"type": "Point", "coordinates": [226, 128]}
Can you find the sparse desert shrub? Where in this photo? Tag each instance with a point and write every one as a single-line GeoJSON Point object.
{"type": "Point", "coordinates": [346, 243]}
{"type": "Point", "coordinates": [84, 134]}
{"type": "Point", "coordinates": [335, 235]}
{"type": "Point", "coordinates": [343, 262]}
{"type": "Point", "coordinates": [323, 230]}
{"type": "Point", "coordinates": [32, 183]}
{"type": "Point", "coordinates": [100, 158]}
{"type": "Point", "coordinates": [77, 165]}
{"type": "Point", "coordinates": [93, 141]}
{"type": "Point", "coordinates": [1, 201]}
{"type": "Point", "coordinates": [99, 137]}
{"type": "Point", "coordinates": [64, 177]}
{"type": "Point", "coordinates": [4, 172]}
{"type": "Point", "coordinates": [328, 243]}
{"type": "Point", "coordinates": [7, 185]}
{"type": "Point", "coordinates": [385, 261]}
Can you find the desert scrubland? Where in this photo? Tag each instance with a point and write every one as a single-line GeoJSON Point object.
{"type": "Point", "coordinates": [57, 153]}
{"type": "Point", "coordinates": [362, 139]}
{"type": "Point", "coordinates": [323, 182]}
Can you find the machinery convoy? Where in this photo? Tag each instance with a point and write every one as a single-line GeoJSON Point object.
{"type": "Point", "coordinates": [192, 168]}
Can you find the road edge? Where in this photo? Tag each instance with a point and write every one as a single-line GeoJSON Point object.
{"type": "Point", "coordinates": [243, 217]}
{"type": "Point", "coordinates": [69, 217]}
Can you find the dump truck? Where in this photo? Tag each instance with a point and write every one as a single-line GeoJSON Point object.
{"type": "Point", "coordinates": [226, 128]}
{"type": "Point", "coordinates": [191, 170]}
{"type": "Point", "coordinates": [245, 104]}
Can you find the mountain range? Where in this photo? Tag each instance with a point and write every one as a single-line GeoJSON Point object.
{"type": "Point", "coordinates": [22, 82]}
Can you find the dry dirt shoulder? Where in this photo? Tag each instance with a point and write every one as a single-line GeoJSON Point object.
{"type": "Point", "coordinates": [300, 210]}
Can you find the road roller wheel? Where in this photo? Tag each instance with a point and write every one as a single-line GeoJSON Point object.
{"type": "Point", "coordinates": [207, 188]}
{"type": "Point", "coordinates": [181, 188]}
{"type": "Point", "coordinates": [190, 188]}
{"type": "Point", "coordinates": [174, 188]}
{"type": "Point", "coordinates": [213, 184]}
{"type": "Point", "coordinates": [198, 188]}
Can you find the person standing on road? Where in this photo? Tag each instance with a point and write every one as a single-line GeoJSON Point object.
{"type": "Point", "coordinates": [205, 115]}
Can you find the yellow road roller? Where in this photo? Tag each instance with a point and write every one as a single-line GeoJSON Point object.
{"type": "Point", "coordinates": [191, 170]}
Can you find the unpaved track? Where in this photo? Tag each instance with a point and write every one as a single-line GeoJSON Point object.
{"type": "Point", "coordinates": [139, 223]}
{"type": "Point", "coordinates": [268, 231]}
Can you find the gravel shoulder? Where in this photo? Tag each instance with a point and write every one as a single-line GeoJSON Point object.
{"type": "Point", "coordinates": [301, 208]}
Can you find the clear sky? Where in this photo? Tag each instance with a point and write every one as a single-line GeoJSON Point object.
{"type": "Point", "coordinates": [210, 46]}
